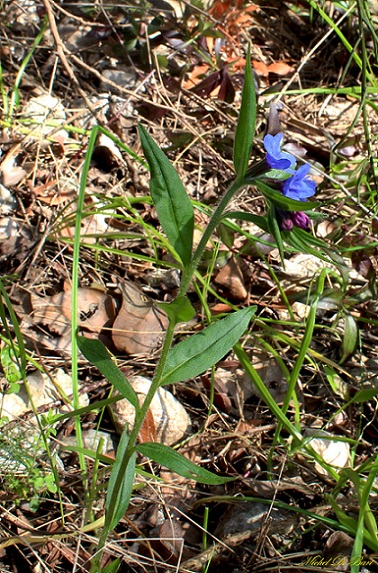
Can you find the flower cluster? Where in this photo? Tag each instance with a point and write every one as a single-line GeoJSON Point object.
{"type": "Point", "coordinates": [299, 186]}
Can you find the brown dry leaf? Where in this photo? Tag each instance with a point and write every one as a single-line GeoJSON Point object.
{"type": "Point", "coordinates": [195, 76]}
{"type": "Point", "coordinates": [96, 310]}
{"type": "Point", "coordinates": [10, 172]}
{"type": "Point", "coordinates": [169, 421]}
{"type": "Point", "coordinates": [220, 308]}
{"type": "Point", "coordinates": [221, 398]}
{"type": "Point", "coordinates": [339, 548]}
{"type": "Point", "coordinates": [280, 68]}
{"type": "Point", "coordinates": [260, 68]}
{"type": "Point", "coordinates": [52, 193]}
{"type": "Point", "coordinates": [140, 324]}
{"type": "Point", "coordinates": [231, 278]}
{"type": "Point", "coordinates": [171, 536]}
{"type": "Point", "coordinates": [95, 223]}
{"type": "Point", "coordinates": [147, 432]}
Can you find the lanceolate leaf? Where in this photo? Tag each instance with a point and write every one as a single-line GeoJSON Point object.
{"type": "Point", "coordinates": [246, 123]}
{"type": "Point", "coordinates": [350, 337]}
{"type": "Point", "coordinates": [177, 463]}
{"type": "Point", "coordinates": [96, 353]}
{"type": "Point", "coordinates": [199, 352]}
{"type": "Point", "coordinates": [259, 220]}
{"type": "Point", "coordinates": [172, 203]}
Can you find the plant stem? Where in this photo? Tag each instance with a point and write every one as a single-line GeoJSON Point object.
{"type": "Point", "coordinates": [140, 415]}
{"type": "Point", "coordinates": [214, 221]}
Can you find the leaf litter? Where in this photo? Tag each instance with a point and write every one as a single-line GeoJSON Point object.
{"type": "Point", "coordinates": [234, 429]}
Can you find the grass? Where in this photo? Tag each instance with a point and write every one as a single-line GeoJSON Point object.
{"type": "Point", "coordinates": [325, 356]}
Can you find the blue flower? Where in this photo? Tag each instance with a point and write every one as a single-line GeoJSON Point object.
{"type": "Point", "coordinates": [276, 158]}
{"type": "Point", "coordinates": [299, 186]}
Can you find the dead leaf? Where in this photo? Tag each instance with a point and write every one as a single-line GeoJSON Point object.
{"type": "Point", "coordinates": [171, 536]}
{"type": "Point", "coordinates": [194, 77]}
{"type": "Point", "coordinates": [96, 310]}
{"type": "Point", "coordinates": [339, 547]}
{"type": "Point", "coordinates": [147, 432]}
{"type": "Point", "coordinates": [280, 68]}
{"type": "Point", "coordinates": [93, 224]}
{"type": "Point", "coordinates": [231, 278]}
{"type": "Point", "coordinates": [10, 172]}
{"type": "Point", "coordinates": [260, 68]}
{"type": "Point", "coordinates": [140, 324]}
{"type": "Point", "coordinates": [221, 398]}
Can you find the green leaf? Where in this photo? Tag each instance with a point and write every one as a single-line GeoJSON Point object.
{"type": "Point", "coordinates": [125, 491]}
{"type": "Point", "coordinates": [259, 220]}
{"type": "Point", "coordinates": [302, 240]}
{"type": "Point", "coordinates": [97, 354]}
{"type": "Point", "coordinates": [309, 238]}
{"type": "Point", "coordinates": [177, 463]}
{"type": "Point", "coordinates": [246, 123]}
{"type": "Point", "coordinates": [172, 203]}
{"type": "Point", "coordinates": [179, 310]}
{"type": "Point", "coordinates": [199, 352]}
{"type": "Point", "coordinates": [364, 395]}
{"type": "Point", "coordinates": [350, 337]}
{"type": "Point", "coordinates": [282, 202]}
{"type": "Point", "coordinates": [112, 567]}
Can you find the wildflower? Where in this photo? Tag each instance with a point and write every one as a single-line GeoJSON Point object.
{"type": "Point", "coordinates": [299, 186]}
{"type": "Point", "coordinates": [276, 158]}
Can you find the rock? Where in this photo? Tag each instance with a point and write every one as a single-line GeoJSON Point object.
{"type": "Point", "coordinates": [22, 444]}
{"type": "Point", "coordinates": [91, 440]}
{"type": "Point", "coordinates": [251, 516]}
{"type": "Point", "coordinates": [333, 451]}
{"type": "Point", "coordinates": [170, 419]}
{"type": "Point", "coordinates": [125, 78]}
{"type": "Point", "coordinates": [42, 391]}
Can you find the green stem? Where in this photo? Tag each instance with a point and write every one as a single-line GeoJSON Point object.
{"type": "Point", "coordinates": [140, 415]}
{"type": "Point", "coordinates": [214, 221]}
{"type": "Point", "coordinates": [139, 418]}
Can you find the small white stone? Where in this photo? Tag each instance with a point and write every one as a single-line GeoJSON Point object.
{"type": "Point", "coordinates": [171, 420]}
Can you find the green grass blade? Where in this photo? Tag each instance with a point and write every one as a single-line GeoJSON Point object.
{"type": "Point", "coordinates": [265, 394]}
{"type": "Point", "coordinates": [172, 203]}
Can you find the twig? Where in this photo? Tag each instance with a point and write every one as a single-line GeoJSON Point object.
{"type": "Point", "coordinates": [61, 51]}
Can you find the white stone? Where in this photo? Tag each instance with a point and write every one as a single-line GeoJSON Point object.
{"type": "Point", "coordinates": [171, 420]}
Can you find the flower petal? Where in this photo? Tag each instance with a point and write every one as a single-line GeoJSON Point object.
{"type": "Point", "coordinates": [299, 186]}
{"type": "Point", "coordinates": [276, 158]}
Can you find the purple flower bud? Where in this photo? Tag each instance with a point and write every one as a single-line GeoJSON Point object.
{"type": "Point", "coordinates": [299, 186]}
{"type": "Point", "coordinates": [285, 223]}
{"type": "Point", "coordinates": [276, 158]}
{"type": "Point", "coordinates": [300, 220]}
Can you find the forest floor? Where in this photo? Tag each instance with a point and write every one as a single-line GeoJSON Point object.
{"type": "Point", "coordinates": [177, 68]}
